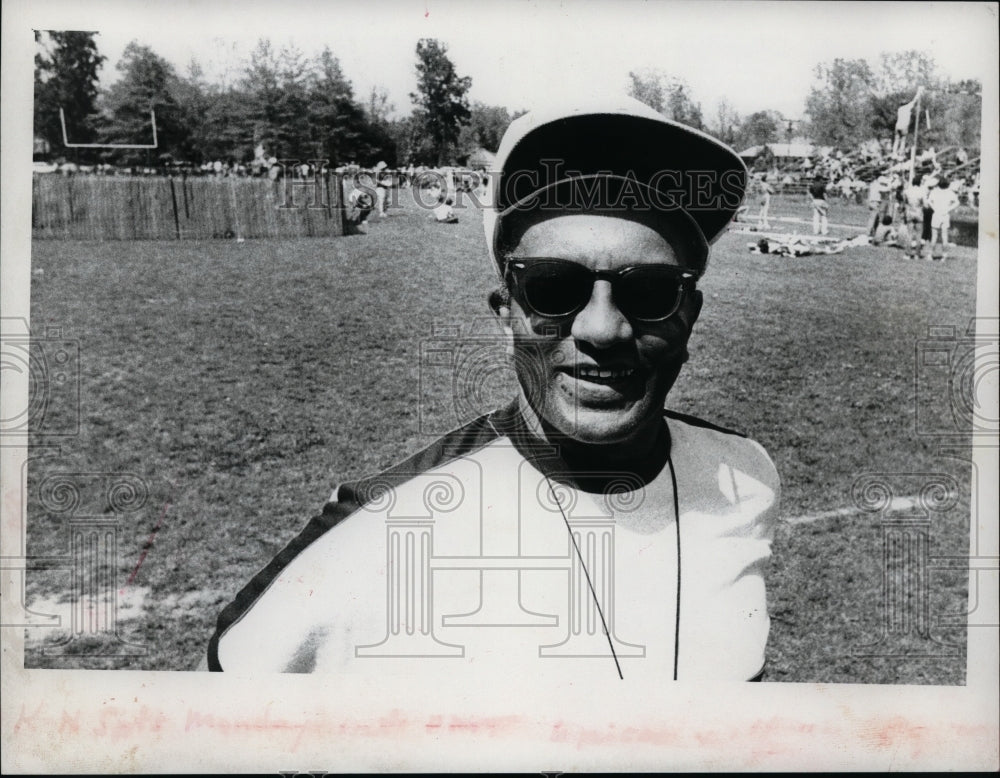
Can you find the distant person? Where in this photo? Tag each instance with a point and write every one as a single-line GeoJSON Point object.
{"type": "Point", "coordinates": [381, 188]}
{"type": "Point", "coordinates": [943, 200]}
{"type": "Point", "coordinates": [763, 190]}
{"type": "Point", "coordinates": [929, 184]}
{"type": "Point", "coordinates": [885, 233]}
{"type": "Point", "coordinates": [878, 191]}
{"type": "Point", "coordinates": [913, 205]}
{"type": "Point", "coordinates": [444, 213]}
{"type": "Point", "coordinates": [846, 187]}
{"type": "Point", "coordinates": [361, 202]}
{"type": "Point", "coordinates": [817, 191]}
{"type": "Point", "coordinates": [960, 189]}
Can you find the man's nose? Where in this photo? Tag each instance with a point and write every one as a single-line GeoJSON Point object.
{"type": "Point", "coordinates": [601, 323]}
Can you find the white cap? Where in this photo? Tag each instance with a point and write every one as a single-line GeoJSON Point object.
{"type": "Point", "coordinates": [673, 169]}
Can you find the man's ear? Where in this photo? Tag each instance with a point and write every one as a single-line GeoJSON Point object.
{"type": "Point", "coordinates": [692, 307]}
{"type": "Point", "coordinates": [499, 300]}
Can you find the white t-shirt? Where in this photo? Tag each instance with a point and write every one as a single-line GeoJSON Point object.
{"type": "Point", "coordinates": [478, 557]}
{"type": "Point", "coordinates": [943, 201]}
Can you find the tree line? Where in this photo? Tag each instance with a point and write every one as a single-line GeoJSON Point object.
{"type": "Point", "coordinates": [304, 107]}
{"type": "Point", "coordinates": [851, 101]}
{"type": "Point", "coordinates": [292, 105]}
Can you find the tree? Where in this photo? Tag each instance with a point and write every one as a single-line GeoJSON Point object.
{"type": "Point", "coordinates": [379, 108]}
{"type": "Point", "coordinates": [903, 71]}
{"type": "Point", "coordinates": [487, 124]}
{"type": "Point", "coordinates": [727, 124]}
{"type": "Point", "coordinates": [292, 124]}
{"type": "Point", "coordinates": [412, 143]}
{"type": "Point", "coordinates": [195, 99]}
{"type": "Point", "coordinates": [275, 83]}
{"type": "Point", "coordinates": [896, 82]}
{"type": "Point", "coordinates": [681, 108]}
{"type": "Point", "coordinates": [261, 83]}
{"type": "Point", "coordinates": [957, 114]}
{"type": "Point", "coordinates": [380, 144]}
{"type": "Point", "coordinates": [759, 128]}
{"type": "Point", "coordinates": [839, 104]}
{"type": "Point", "coordinates": [337, 123]}
{"type": "Point", "coordinates": [147, 82]}
{"type": "Point", "coordinates": [667, 95]}
{"type": "Point", "coordinates": [442, 107]}
{"type": "Point", "coordinates": [227, 128]}
{"type": "Point", "coordinates": [66, 77]}
{"type": "Point", "coordinates": [954, 108]}
{"type": "Point", "coordinates": [646, 88]}
{"type": "Point", "coordinates": [852, 102]}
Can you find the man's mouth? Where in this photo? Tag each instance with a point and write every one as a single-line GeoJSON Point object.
{"type": "Point", "coordinates": [599, 375]}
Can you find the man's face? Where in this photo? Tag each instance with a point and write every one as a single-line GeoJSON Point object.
{"type": "Point", "coordinates": [597, 375]}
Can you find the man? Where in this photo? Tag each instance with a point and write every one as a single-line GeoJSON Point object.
{"type": "Point", "coordinates": [582, 529]}
{"type": "Point", "coordinates": [361, 204]}
{"type": "Point", "coordinates": [878, 191]}
{"type": "Point", "coordinates": [817, 191]}
{"type": "Point", "coordinates": [764, 191]}
{"type": "Point", "coordinates": [913, 197]}
{"type": "Point", "coordinates": [382, 183]}
{"type": "Point", "coordinates": [942, 200]}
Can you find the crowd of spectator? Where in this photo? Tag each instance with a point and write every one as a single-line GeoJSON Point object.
{"type": "Point", "coordinates": [910, 200]}
{"type": "Point", "coordinates": [849, 176]}
{"type": "Point", "coordinates": [896, 187]}
{"type": "Point", "coordinates": [435, 189]}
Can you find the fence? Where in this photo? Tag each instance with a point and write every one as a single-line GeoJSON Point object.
{"type": "Point", "coordinates": [140, 208]}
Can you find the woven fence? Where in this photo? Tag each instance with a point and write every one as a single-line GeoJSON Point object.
{"type": "Point", "coordinates": [148, 208]}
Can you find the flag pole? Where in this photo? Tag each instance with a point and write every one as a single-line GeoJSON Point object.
{"type": "Point", "coordinates": [916, 129]}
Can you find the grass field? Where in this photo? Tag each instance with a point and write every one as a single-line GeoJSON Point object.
{"type": "Point", "coordinates": [242, 381]}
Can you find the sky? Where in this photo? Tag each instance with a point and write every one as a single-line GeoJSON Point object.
{"type": "Point", "coordinates": [755, 55]}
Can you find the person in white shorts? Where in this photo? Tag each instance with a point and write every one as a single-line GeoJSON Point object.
{"type": "Point", "coordinates": [943, 200]}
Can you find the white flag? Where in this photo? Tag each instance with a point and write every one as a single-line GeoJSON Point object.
{"type": "Point", "coordinates": [905, 111]}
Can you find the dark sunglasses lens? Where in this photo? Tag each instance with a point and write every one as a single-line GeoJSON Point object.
{"type": "Point", "coordinates": [648, 294]}
{"type": "Point", "coordinates": [556, 289]}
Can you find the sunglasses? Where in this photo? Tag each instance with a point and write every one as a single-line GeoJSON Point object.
{"type": "Point", "coordinates": [556, 288]}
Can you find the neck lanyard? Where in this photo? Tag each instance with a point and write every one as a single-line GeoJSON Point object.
{"type": "Point", "coordinates": [590, 584]}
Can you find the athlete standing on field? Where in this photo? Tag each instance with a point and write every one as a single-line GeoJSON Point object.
{"type": "Point", "coordinates": [817, 193]}
{"type": "Point", "coordinates": [582, 523]}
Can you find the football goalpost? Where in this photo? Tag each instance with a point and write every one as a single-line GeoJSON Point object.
{"type": "Point", "coordinates": [67, 144]}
